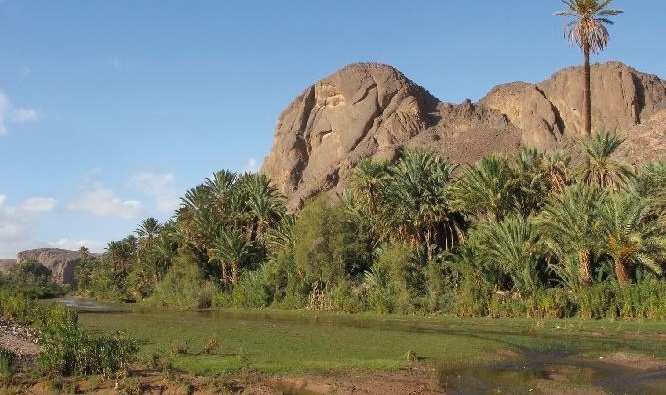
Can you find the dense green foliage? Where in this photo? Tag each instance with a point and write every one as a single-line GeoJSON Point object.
{"type": "Point", "coordinates": [31, 279]}
{"type": "Point", "coordinates": [532, 235]}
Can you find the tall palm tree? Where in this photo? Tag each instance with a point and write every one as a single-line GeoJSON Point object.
{"type": "Point", "coordinates": [263, 203]}
{"type": "Point", "coordinates": [629, 236]}
{"type": "Point", "coordinates": [148, 231]}
{"type": "Point", "coordinates": [587, 30]}
{"type": "Point", "coordinates": [600, 167]}
{"type": "Point", "coordinates": [568, 225]}
{"type": "Point", "coordinates": [231, 249]}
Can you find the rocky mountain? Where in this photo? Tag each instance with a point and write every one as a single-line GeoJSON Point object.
{"type": "Point", "coordinates": [60, 262]}
{"type": "Point", "coordinates": [373, 110]}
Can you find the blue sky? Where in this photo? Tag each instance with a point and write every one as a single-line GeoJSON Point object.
{"type": "Point", "coordinates": [110, 110]}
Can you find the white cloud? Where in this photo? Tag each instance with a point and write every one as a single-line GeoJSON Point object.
{"type": "Point", "coordinates": [103, 202]}
{"type": "Point", "coordinates": [23, 115]}
{"type": "Point", "coordinates": [158, 186]}
{"type": "Point", "coordinates": [25, 71]}
{"type": "Point", "coordinates": [38, 205]}
{"type": "Point", "coordinates": [73, 245]}
{"type": "Point", "coordinates": [18, 115]}
{"type": "Point", "coordinates": [252, 166]}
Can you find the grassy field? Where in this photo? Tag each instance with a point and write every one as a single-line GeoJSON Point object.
{"type": "Point", "coordinates": [305, 342]}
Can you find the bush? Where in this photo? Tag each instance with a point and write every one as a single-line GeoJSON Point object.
{"type": "Point", "coordinates": [7, 363]}
{"type": "Point", "coordinates": [77, 352]}
{"type": "Point", "coordinates": [250, 291]}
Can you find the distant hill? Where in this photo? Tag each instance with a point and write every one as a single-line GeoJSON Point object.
{"type": "Point", "coordinates": [373, 110]}
{"type": "Point", "coordinates": [6, 264]}
{"type": "Point", "coordinates": [61, 262]}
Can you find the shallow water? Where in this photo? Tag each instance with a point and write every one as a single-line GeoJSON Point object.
{"type": "Point", "coordinates": [556, 369]}
{"type": "Point", "coordinates": [91, 305]}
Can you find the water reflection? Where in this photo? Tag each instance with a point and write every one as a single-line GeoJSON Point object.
{"type": "Point", "coordinates": [92, 306]}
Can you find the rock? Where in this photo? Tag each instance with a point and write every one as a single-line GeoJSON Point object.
{"type": "Point", "coordinates": [645, 141]}
{"type": "Point", "coordinates": [621, 98]}
{"type": "Point", "coordinates": [373, 110]}
{"type": "Point", "coordinates": [60, 262]}
{"type": "Point", "coordinates": [363, 110]}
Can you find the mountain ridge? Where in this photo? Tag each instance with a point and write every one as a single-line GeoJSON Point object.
{"type": "Point", "coordinates": [374, 110]}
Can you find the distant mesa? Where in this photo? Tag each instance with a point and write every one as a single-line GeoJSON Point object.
{"type": "Point", "coordinates": [60, 262]}
{"type": "Point", "coordinates": [373, 110]}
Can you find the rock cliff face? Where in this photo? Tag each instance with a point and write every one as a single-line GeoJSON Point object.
{"type": "Point", "coordinates": [372, 110]}
{"type": "Point", "coordinates": [61, 262]}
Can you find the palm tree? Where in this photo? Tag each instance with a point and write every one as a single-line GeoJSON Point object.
{"type": "Point", "coordinates": [219, 189]}
{"type": "Point", "coordinates": [650, 183]}
{"type": "Point", "coordinates": [417, 198]}
{"type": "Point", "coordinates": [532, 180]}
{"type": "Point", "coordinates": [556, 165]}
{"type": "Point", "coordinates": [488, 189]}
{"type": "Point", "coordinates": [587, 30]}
{"type": "Point", "coordinates": [568, 225]}
{"type": "Point", "coordinates": [600, 168]}
{"type": "Point", "coordinates": [630, 237]}
{"type": "Point", "coordinates": [368, 179]}
{"type": "Point", "coordinates": [148, 231]}
{"type": "Point", "coordinates": [263, 203]}
{"type": "Point", "coordinates": [231, 249]}
{"type": "Point", "coordinates": [511, 246]}
{"type": "Point", "coordinates": [122, 253]}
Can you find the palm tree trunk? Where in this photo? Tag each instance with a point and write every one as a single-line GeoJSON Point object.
{"type": "Point", "coordinates": [587, 91]}
{"type": "Point", "coordinates": [234, 273]}
{"type": "Point", "coordinates": [225, 277]}
{"type": "Point", "coordinates": [585, 267]}
{"type": "Point", "coordinates": [621, 272]}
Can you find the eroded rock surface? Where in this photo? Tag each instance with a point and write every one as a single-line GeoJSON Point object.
{"type": "Point", "coordinates": [373, 110]}
{"type": "Point", "coordinates": [60, 262]}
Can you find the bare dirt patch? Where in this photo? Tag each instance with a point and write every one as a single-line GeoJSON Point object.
{"type": "Point", "coordinates": [413, 380]}
{"type": "Point", "coordinates": [634, 361]}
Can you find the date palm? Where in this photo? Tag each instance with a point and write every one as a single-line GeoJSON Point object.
{"type": "Point", "coordinates": [600, 167]}
{"type": "Point", "coordinates": [368, 179]}
{"type": "Point", "coordinates": [417, 200]}
{"type": "Point", "coordinates": [148, 231]}
{"type": "Point", "coordinates": [568, 225]}
{"type": "Point", "coordinates": [510, 246]}
{"type": "Point", "coordinates": [262, 202]}
{"type": "Point", "coordinates": [231, 249]}
{"type": "Point", "coordinates": [487, 190]}
{"type": "Point", "coordinates": [587, 30]}
{"type": "Point", "coordinates": [629, 236]}
{"type": "Point", "coordinates": [650, 183]}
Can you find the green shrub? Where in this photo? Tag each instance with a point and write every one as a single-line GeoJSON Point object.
{"type": "Point", "coordinates": [77, 352]}
{"type": "Point", "coordinates": [7, 363]}
{"type": "Point", "coordinates": [250, 291]}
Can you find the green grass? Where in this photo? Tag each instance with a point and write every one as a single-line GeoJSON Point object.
{"type": "Point", "coordinates": [271, 341]}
